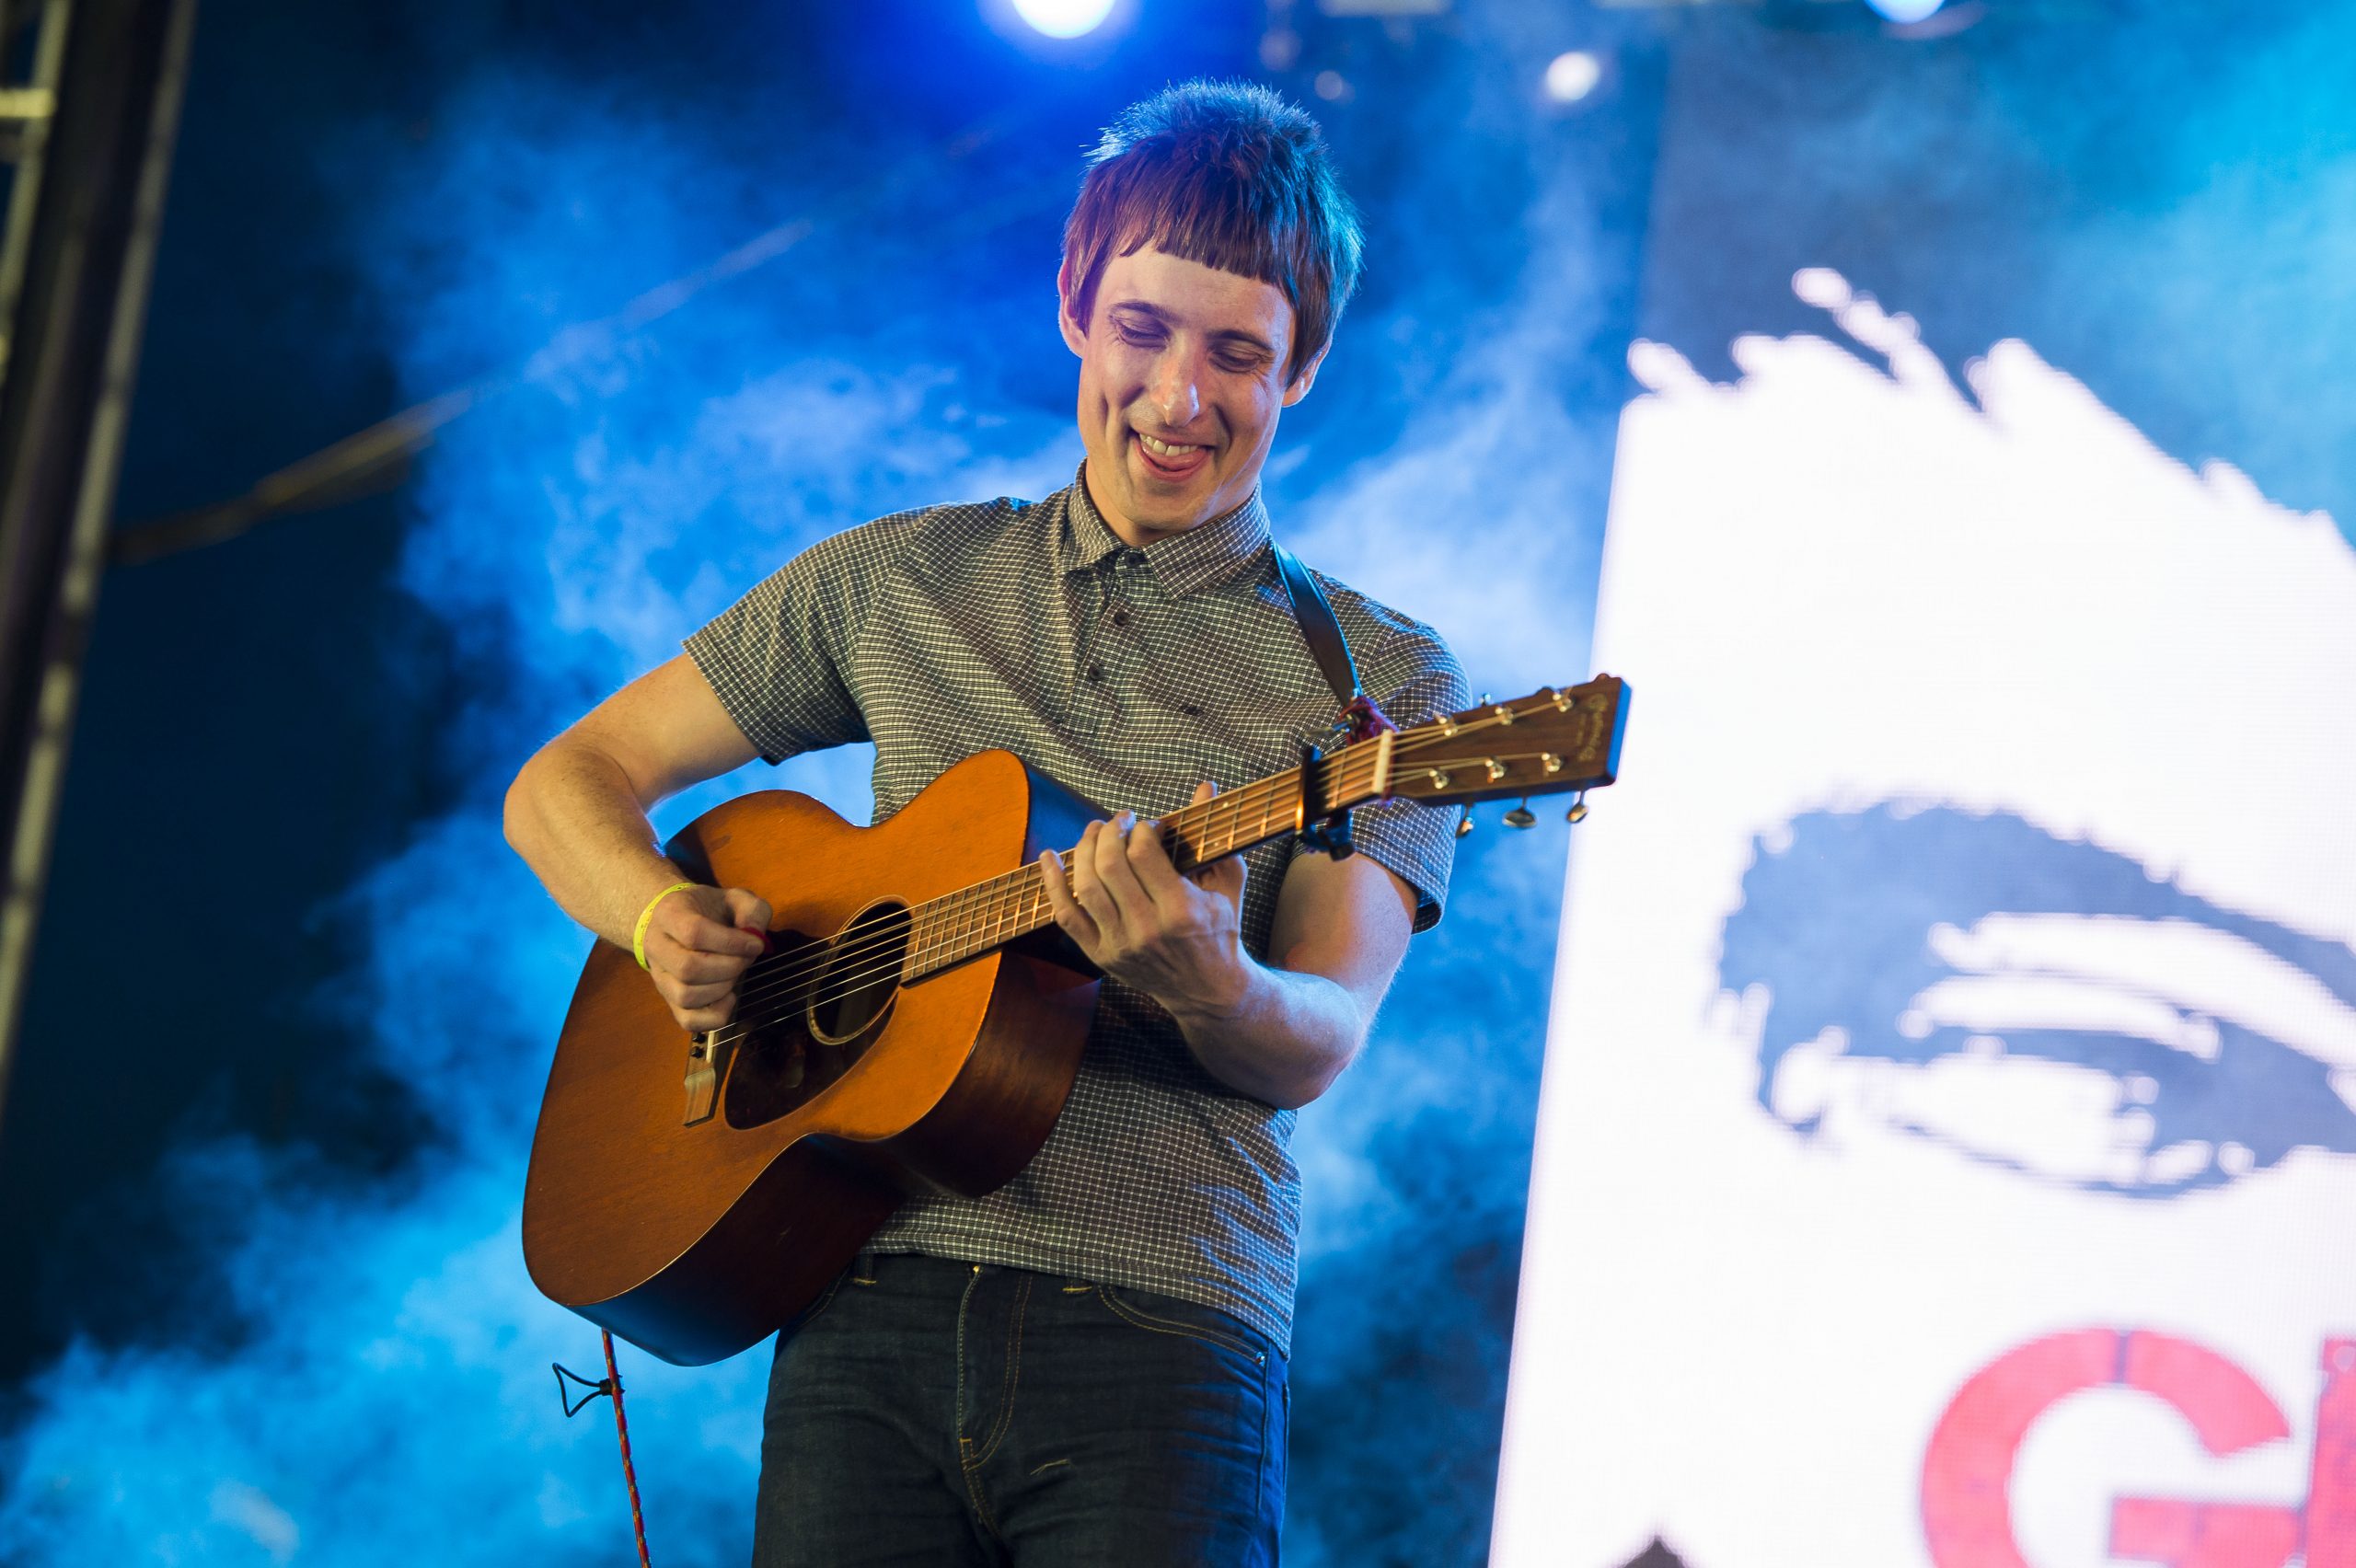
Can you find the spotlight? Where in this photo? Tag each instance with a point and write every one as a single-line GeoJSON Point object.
{"type": "Point", "coordinates": [1065, 19]}
{"type": "Point", "coordinates": [1570, 76]}
{"type": "Point", "coordinates": [1902, 11]}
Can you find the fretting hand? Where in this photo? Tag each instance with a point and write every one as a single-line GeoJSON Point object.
{"type": "Point", "coordinates": [1175, 938]}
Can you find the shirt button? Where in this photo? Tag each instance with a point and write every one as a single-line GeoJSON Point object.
{"type": "Point", "coordinates": [1096, 673]}
{"type": "Point", "coordinates": [1120, 618]}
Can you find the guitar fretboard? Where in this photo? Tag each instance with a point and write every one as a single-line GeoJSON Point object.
{"type": "Point", "coordinates": [974, 920]}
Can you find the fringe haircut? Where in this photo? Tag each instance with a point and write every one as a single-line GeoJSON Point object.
{"type": "Point", "coordinates": [1229, 175]}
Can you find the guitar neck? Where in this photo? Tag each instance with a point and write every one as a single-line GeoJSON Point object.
{"type": "Point", "coordinates": [974, 920]}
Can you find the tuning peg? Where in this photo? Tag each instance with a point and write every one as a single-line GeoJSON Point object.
{"type": "Point", "coordinates": [1579, 808]}
{"type": "Point", "coordinates": [1464, 825]}
{"type": "Point", "coordinates": [1521, 817]}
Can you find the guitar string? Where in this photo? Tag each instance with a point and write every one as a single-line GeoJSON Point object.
{"type": "Point", "coordinates": [959, 913]}
{"type": "Point", "coordinates": [1020, 887]}
{"type": "Point", "coordinates": [947, 919]}
{"type": "Point", "coordinates": [1013, 893]}
{"type": "Point", "coordinates": [1017, 896]}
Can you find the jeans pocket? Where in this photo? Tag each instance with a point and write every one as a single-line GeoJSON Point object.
{"type": "Point", "coordinates": [1162, 1314]}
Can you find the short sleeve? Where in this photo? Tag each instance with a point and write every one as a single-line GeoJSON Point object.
{"type": "Point", "coordinates": [779, 657]}
{"type": "Point", "coordinates": [1412, 678]}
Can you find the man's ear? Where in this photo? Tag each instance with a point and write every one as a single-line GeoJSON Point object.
{"type": "Point", "coordinates": [1075, 335]}
{"type": "Point", "coordinates": [1306, 378]}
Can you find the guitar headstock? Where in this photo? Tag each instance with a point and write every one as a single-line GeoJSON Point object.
{"type": "Point", "coordinates": [1543, 744]}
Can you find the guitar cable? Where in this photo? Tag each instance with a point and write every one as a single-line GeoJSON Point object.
{"type": "Point", "coordinates": [621, 1431]}
{"type": "Point", "coordinates": [565, 1378]}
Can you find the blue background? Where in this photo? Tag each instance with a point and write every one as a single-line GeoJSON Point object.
{"type": "Point", "coordinates": [293, 1000]}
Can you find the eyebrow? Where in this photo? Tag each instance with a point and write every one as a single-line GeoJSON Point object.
{"type": "Point", "coordinates": [1226, 335]}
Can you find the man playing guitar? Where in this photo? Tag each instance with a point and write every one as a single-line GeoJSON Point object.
{"type": "Point", "coordinates": [1088, 1364]}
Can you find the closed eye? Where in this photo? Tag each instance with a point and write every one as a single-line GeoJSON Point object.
{"type": "Point", "coordinates": [2193, 971]}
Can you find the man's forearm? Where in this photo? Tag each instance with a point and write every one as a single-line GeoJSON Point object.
{"type": "Point", "coordinates": [573, 817]}
{"type": "Point", "coordinates": [1283, 1038]}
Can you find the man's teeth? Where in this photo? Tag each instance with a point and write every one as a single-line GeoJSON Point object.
{"type": "Point", "coordinates": [1163, 448]}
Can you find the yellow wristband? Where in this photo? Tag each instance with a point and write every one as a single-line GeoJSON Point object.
{"type": "Point", "coordinates": [638, 937]}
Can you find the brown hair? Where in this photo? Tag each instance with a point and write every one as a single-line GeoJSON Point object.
{"type": "Point", "coordinates": [1229, 175]}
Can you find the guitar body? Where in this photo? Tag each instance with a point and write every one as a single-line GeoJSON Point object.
{"type": "Point", "coordinates": [694, 1196]}
{"type": "Point", "coordinates": [694, 1221]}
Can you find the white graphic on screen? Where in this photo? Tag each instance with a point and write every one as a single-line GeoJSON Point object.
{"type": "Point", "coordinates": [1949, 1124]}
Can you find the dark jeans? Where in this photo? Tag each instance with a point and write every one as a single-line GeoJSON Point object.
{"type": "Point", "coordinates": [933, 1412]}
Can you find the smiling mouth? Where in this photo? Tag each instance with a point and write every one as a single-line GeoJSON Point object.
{"type": "Point", "coordinates": [1170, 459]}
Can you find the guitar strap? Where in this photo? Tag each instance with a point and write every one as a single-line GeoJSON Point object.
{"type": "Point", "coordinates": [1315, 614]}
{"type": "Point", "coordinates": [1359, 718]}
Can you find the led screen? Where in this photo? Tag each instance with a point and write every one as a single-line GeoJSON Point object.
{"type": "Point", "coordinates": [1948, 1146]}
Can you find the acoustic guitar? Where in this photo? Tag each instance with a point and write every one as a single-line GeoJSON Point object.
{"type": "Point", "coordinates": [915, 1026]}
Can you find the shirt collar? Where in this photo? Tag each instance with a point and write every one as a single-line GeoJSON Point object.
{"type": "Point", "coordinates": [1203, 557]}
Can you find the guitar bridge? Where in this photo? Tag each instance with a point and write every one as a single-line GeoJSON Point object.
{"type": "Point", "coordinates": [703, 1079]}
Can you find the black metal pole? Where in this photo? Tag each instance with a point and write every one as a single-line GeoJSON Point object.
{"type": "Point", "coordinates": [71, 347]}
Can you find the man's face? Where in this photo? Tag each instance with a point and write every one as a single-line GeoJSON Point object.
{"type": "Point", "coordinates": [1182, 378]}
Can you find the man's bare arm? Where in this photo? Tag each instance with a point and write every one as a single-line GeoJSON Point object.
{"type": "Point", "coordinates": [1341, 931]}
{"type": "Point", "coordinates": [1279, 1032]}
{"type": "Point", "coordinates": [577, 813]}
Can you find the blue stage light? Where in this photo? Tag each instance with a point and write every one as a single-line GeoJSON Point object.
{"type": "Point", "coordinates": [1064, 19]}
{"type": "Point", "coordinates": [1905, 10]}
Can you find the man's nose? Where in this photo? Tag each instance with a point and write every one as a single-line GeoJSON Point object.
{"type": "Point", "coordinates": [1176, 389]}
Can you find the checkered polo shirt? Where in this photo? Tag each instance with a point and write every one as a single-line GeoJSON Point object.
{"type": "Point", "coordinates": [1126, 675]}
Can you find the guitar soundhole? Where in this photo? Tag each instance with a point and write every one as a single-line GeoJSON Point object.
{"type": "Point", "coordinates": [861, 976]}
{"type": "Point", "coordinates": [801, 1044]}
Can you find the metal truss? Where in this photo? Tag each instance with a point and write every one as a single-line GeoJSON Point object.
{"type": "Point", "coordinates": [90, 102]}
